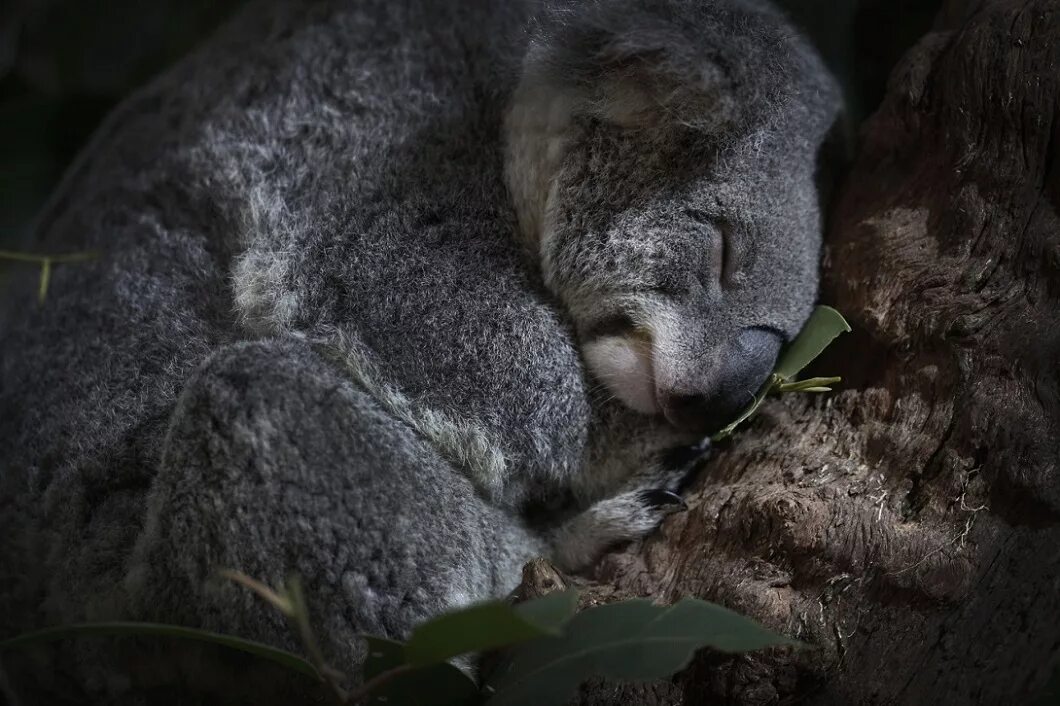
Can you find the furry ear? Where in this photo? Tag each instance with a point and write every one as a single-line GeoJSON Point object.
{"type": "Point", "coordinates": [643, 91]}
{"type": "Point", "coordinates": [632, 67]}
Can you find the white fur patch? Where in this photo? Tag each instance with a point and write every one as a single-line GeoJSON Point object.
{"type": "Point", "coordinates": [259, 287]}
{"type": "Point", "coordinates": [537, 129]}
{"type": "Point", "coordinates": [264, 298]}
{"type": "Point", "coordinates": [625, 366]}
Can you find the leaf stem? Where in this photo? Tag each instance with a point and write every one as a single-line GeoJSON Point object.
{"type": "Point", "coordinates": [377, 681]}
{"type": "Point", "coordinates": [45, 262]}
{"type": "Point", "coordinates": [270, 596]}
{"type": "Point", "coordinates": [293, 606]}
{"type": "Point", "coordinates": [41, 259]}
{"type": "Point", "coordinates": [132, 629]}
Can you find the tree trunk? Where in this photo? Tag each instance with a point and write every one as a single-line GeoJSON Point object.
{"type": "Point", "coordinates": [909, 525]}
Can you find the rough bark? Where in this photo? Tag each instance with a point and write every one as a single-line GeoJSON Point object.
{"type": "Point", "coordinates": [908, 526]}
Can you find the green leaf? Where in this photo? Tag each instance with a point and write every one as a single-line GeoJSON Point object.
{"type": "Point", "coordinates": [383, 656]}
{"type": "Point", "coordinates": [808, 384]}
{"type": "Point", "coordinates": [417, 674]}
{"type": "Point", "coordinates": [824, 324]}
{"type": "Point", "coordinates": [551, 611]}
{"type": "Point", "coordinates": [132, 629]}
{"type": "Point", "coordinates": [484, 626]}
{"type": "Point", "coordinates": [771, 384]}
{"type": "Point", "coordinates": [390, 680]}
{"type": "Point", "coordinates": [630, 640]}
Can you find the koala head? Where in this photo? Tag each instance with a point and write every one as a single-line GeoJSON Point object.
{"type": "Point", "coordinates": [662, 159]}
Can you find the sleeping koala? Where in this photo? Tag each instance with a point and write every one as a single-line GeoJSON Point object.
{"type": "Point", "coordinates": [396, 296]}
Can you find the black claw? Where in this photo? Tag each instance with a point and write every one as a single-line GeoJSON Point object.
{"type": "Point", "coordinates": [664, 500]}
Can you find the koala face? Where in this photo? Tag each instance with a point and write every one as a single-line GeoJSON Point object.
{"type": "Point", "coordinates": [670, 198]}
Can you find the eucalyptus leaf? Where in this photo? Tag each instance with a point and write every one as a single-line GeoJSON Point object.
{"type": "Point", "coordinates": [768, 387]}
{"type": "Point", "coordinates": [398, 683]}
{"type": "Point", "coordinates": [630, 640]}
{"type": "Point", "coordinates": [486, 626]}
{"type": "Point", "coordinates": [133, 629]}
{"type": "Point", "coordinates": [551, 611]}
{"type": "Point", "coordinates": [383, 656]}
{"type": "Point", "coordinates": [808, 384]}
{"type": "Point", "coordinates": [824, 324]}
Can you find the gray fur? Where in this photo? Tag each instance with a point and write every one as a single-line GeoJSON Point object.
{"type": "Point", "coordinates": [352, 256]}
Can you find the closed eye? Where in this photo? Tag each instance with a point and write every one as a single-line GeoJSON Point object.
{"type": "Point", "coordinates": [784, 338]}
{"type": "Point", "coordinates": [729, 261]}
{"type": "Point", "coordinates": [616, 325]}
{"type": "Point", "coordinates": [720, 234]}
{"type": "Point", "coordinates": [673, 290]}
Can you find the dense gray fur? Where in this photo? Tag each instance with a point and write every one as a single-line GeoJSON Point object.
{"type": "Point", "coordinates": [351, 258]}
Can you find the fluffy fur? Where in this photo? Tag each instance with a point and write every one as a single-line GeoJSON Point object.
{"type": "Point", "coordinates": [351, 256]}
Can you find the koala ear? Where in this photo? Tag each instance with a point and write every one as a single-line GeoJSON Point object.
{"type": "Point", "coordinates": [647, 90]}
{"type": "Point", "coordinates": [633, 68]}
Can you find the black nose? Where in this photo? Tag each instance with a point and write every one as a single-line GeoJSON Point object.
{"type": "Point", "coordinates": [709, 403]}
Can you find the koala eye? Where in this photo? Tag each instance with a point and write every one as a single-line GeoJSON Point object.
{"type": "Point", "coordinates": [722, 254]}
{"type": "Point", "coordinates": [773, 331]}
{"type": "Point", "coordinates": [617, 325]}
{"type": "Point", "coordinates": [673, 290]}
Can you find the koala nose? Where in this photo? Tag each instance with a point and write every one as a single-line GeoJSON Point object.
{"type": "Point", "coordinates": [709, 402]}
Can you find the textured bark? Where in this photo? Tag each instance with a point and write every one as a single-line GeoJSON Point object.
{"type": "Point", "coordinates": [908, 526]}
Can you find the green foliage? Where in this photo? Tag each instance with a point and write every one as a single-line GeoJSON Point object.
{"type": "Point", "coordinates": [820, 330]}
{"type": "Point", "coordinates": [390, 679]}
{"type": "Point", "coordinates": [631, 640]}
{"type": "Point", "coordinates": [824, 324]}
{"type": "Point", "coordinates": [488, 626]}
{"type": "Point", "coordinates": [549, 652]}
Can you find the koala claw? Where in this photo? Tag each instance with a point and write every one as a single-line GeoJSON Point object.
{"type": "Point", "coordinates": [664, 500]}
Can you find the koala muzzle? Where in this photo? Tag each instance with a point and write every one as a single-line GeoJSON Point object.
{"type": "Point", "coordinates": [707, 401]}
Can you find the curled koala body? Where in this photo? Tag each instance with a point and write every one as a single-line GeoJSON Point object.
{"type": "Point", "coordinates": [396, 296]}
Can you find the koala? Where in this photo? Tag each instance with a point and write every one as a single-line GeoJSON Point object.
{"type": "Point", "coordinates": [395, 297]}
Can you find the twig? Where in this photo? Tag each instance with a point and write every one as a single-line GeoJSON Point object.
{"type": "Point", "coordinates": [272, 597]}
{"type": "Point", "coordinates": [45, 262]}
{"type": "Point", "coordinates": [300, 618]}
{"type": "Point", "coordinates": [377, 681]}
{"type": "Point", "coordinates": [292, 604]}
{"type": "Point", "coordinates": [958, 539]}
{"type": "Point", "coordinates": [40, 259]}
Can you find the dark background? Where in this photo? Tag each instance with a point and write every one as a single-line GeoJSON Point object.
{"type": "Point", "coordinates": [65, 63]}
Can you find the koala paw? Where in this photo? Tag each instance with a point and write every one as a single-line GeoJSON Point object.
{"type": "Point", "coordinates": [622, 517]}
{"type": "Point", "coordinates": [647, 500]}
{"type": "Point", "coordinates": [663, 500]}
